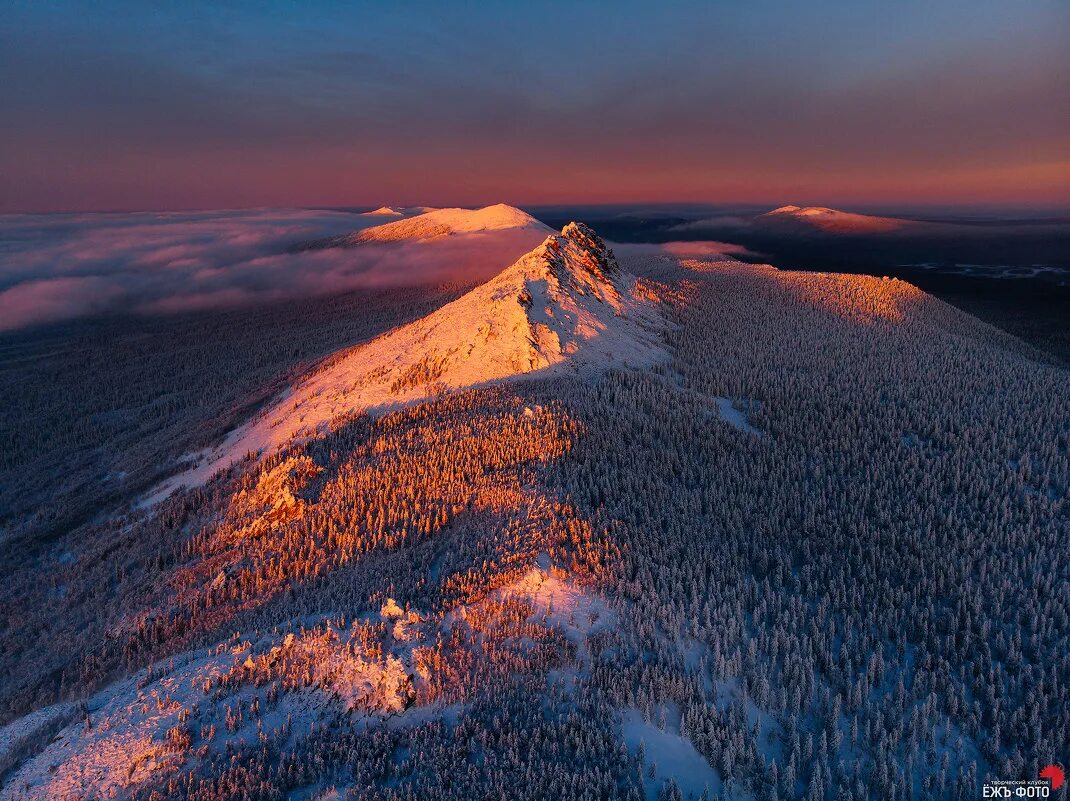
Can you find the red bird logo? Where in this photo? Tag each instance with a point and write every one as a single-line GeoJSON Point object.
{"type": "Point", "coordinates": [1055, 775]}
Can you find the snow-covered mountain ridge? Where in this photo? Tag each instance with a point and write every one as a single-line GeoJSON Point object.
{"type": "Point", "coordinates": [566, 306]}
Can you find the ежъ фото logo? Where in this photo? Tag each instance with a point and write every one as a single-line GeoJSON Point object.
{"type": "Point", "coordinates": [1052, 777]}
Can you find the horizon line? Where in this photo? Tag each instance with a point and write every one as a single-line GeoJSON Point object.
{"type": "Point", "coordinates": [1047, 209]}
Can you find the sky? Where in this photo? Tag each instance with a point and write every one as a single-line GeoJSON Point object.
{"type": "Point", "coordinates": [186, 105]}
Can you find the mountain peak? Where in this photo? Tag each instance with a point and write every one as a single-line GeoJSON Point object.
{"type": "Point", "coordinates": [575, 261]}
{"type": "Point", "coordinates": [598, 258]}
{"type": "Point", "coordinates": [564, 307]}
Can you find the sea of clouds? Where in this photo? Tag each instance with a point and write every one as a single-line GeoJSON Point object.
{"type": "Point", "coordinates": [62, 266]}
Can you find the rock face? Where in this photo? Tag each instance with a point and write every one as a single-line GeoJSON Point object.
{"type": "Point", "coordinates": [565, 307]}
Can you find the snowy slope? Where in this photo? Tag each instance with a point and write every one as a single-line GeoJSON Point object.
{"type": "Point", "coordinates": [564, 307]}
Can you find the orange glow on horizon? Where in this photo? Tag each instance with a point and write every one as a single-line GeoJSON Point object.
{"type": "Point", "coordinates": [344, 177]}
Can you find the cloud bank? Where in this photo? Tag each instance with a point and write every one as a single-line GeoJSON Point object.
{"type": "Point", "coordinates": [64, 266]}
{"type": "Point", "coordinates": [698, 249]}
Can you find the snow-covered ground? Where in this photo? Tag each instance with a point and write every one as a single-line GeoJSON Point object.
{"type": "Point", "coordinates": [125, 738]}
{"type": "Point", "coordinates": [672, 755]}
{"type": "Point", "coordinates": [734, 417]}
{"type": "Point", "coordinates": [30, 733]}
{"type": "Point", "coordinates": [560, 604]}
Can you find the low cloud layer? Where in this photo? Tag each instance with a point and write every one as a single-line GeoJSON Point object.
{"type": "Point", "coordinates": [698, 249]}
{"type": "Point", "coordinates": [56, 267]}
{"type": "Point", "coordinates": [720, 223]}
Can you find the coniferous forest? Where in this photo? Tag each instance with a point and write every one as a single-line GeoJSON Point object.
{"type": "Point", "coordinates": [816, 550]}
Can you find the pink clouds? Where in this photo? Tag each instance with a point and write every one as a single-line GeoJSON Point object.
{"type": "Point", "coordinates": [56, 267]}
{"type": "Point", "coordinates": [683, 249]}
{"type": "Point", "coordinates": [53, 299]}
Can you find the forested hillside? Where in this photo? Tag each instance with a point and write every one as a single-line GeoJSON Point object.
{"type": "Point", "coordinates": [816, 549]}
{"type": "Point", "coordinates": [98, 411]}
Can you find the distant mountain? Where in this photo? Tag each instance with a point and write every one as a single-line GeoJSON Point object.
{"type": "Point", "coordinates": [399, 211]}
{"type": "Point", "coordinates": [833, 221]}
{"type": "Point", "coordinates": [801, 222]}
{"type": "Point", "coordinates": [434, 224]}
{"type": "Point", "coordinates": [566, 306]}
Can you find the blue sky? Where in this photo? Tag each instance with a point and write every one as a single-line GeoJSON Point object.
{"type": "Point", "coordinates": [190, 105]}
